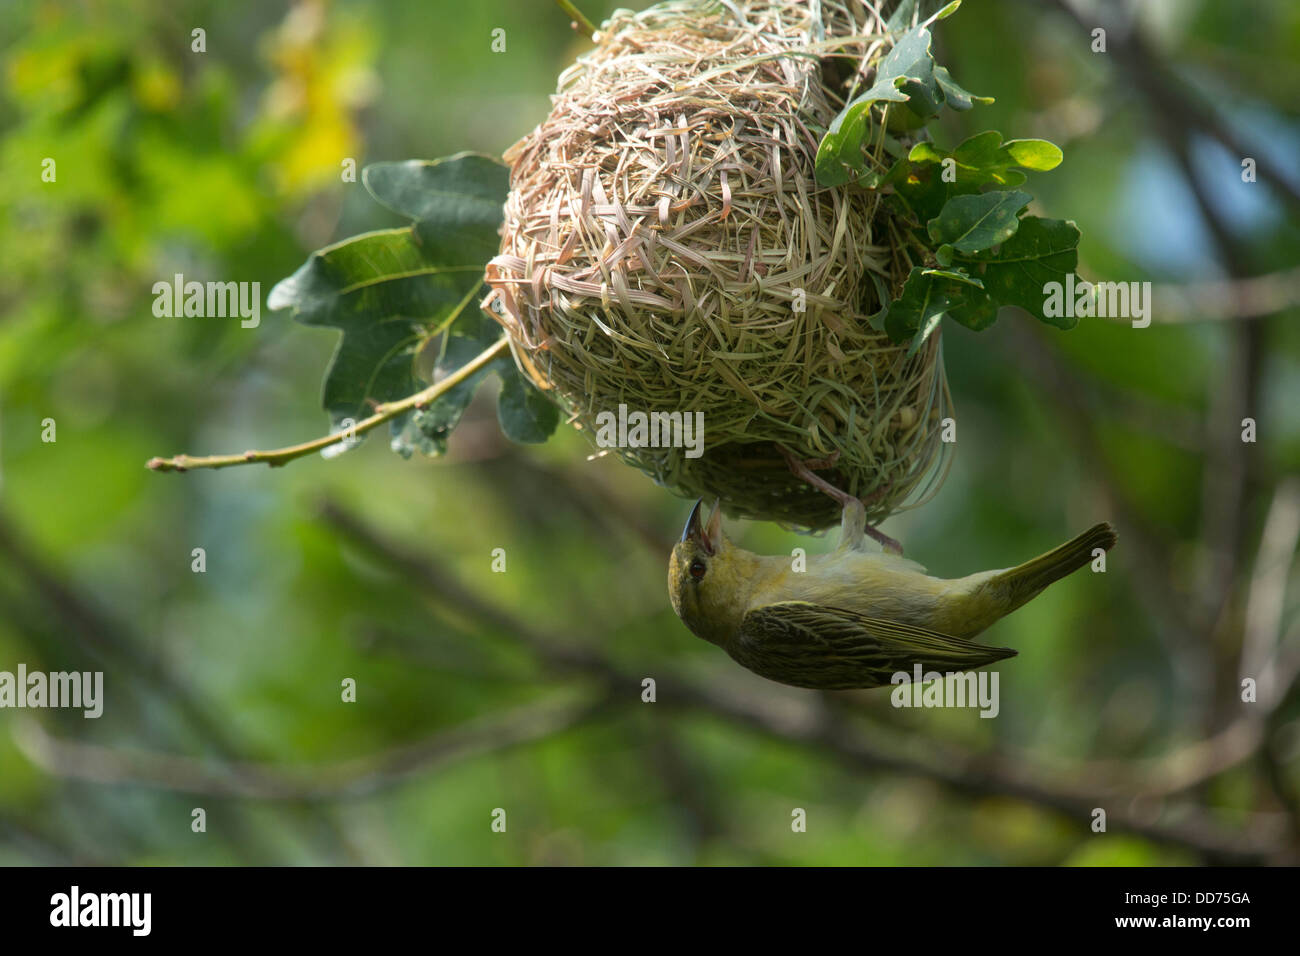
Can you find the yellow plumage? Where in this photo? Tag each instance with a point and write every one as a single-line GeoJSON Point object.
{"type": "Point", "coordinates": [854, 617]}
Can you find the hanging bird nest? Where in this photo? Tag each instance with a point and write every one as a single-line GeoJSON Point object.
{"type": "Point", "coordinates": [667, 248]}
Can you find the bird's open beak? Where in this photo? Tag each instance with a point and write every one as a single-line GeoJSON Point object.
{"type": "Point", "coordinates": [695, 530]}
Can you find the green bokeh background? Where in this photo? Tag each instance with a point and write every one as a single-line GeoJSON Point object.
{"type": "Point", "coordinates": [226, 165]}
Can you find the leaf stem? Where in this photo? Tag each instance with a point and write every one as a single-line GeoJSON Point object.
{"type": "Point", "coordinates": [568, 7]}
{"type": "Point", "coordinates": [383, 413]}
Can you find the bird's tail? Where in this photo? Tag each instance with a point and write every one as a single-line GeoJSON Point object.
{"type": "Point", "coordinates": [1017, 585]}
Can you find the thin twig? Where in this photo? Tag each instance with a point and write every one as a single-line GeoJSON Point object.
{"type": "Point", "coordinates": [343, 780]}
{"type": "Point", "coordinates": [576, 15]}
{"type": "Point", "coordinates": [383, 412]}
{"type": "Point", "coordinates": [1266, 595]}
{"type": "Point", "coordinates": [1228, 299]}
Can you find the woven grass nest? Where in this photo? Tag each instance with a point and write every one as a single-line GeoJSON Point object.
{"type": "Point", "coordinates": [662, 231]}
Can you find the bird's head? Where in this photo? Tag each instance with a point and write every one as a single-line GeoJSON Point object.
{"type": "Point", "coordinates": [707, 582]}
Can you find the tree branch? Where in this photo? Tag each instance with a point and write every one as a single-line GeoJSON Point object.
{"type": "Point", "coordinates": [1228, 299]}
{"type": "Point", "coordinates": [346, 779]}
{"type": "Point", "coordinates": [576, 15]}
{"type": "Point", "coordinates": [1169, 101]}
{"type": "Point", "coordinates": [384, 412]}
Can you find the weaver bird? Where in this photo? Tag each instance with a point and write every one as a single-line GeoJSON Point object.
{"type": "Point", "coordinates": [854, 617]}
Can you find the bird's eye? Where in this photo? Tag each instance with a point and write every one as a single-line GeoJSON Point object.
{"type": "Point", "coordinates": [697, 569]}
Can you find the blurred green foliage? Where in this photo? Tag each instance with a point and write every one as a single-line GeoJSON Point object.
{"type": "Point", "coordinates": [225, 165]}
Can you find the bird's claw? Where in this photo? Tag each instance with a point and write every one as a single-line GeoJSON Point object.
{"type": "Point", "coordinates": [854, 520]}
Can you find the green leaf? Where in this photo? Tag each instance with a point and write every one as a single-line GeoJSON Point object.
{"type": "Point", "coordinates": [926, 152]}
{"type": "Point", "coordinates": [974, 223]}
{"type": "Point", "coordinates": [981, 151]}
{"type": "Point", "coordinates": [963, 206]}
{"type": "Point", "coordinates": [908, 77]}
{"type": "Point", "coordinates": [947, 11]}
{"type": "Point", "coordinates": [525, 414]}
{"type": "Point", "coordinates": [1038, 154]}
{"type": "Point", "coordinates": [957, 98]}
{"type": "Point", "coordinates": [924, 97]}
{"type": "Point", "coordinates": [426, 429]}
{"type": "Point", "coordinates": [923, 193]}
{"type": "Point", "coordinates": [901, 16]}
{"type": "Point", "coordinates": [977, 313]}
{"type": "Point", "coordinates": [984, 158]}
{"type": "Point", "coordinates": [910, 52]}
{"type": "Point", "coordinates": [956, 275]}
{"type": "Point", "coordinates": [454, 202]}
{"type": "Point", "coordinates": [391, 291]}
{"type": "Point", "coordinates": [839, 154]}
{"type": "Point", "coordinates": [379, 288]}
{"type": "Point", "coordinates": [1042, 251]}
{"type": "Point", "coordinates": [917, 311]}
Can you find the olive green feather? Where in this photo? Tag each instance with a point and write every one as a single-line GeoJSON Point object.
{"type": "Point", "coordinates": [830, 648]}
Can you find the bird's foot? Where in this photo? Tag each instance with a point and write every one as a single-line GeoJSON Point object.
{"type": "Point", "coordinates": [854, 521]}
{"type": "Point", "coordinates": [885, 541]}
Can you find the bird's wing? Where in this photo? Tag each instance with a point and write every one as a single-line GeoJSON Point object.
{"type": "Point", "coordinates": [811, 645]}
